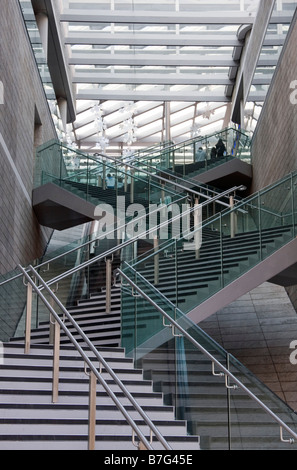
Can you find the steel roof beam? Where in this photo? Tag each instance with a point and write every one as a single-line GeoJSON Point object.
{"type": "Point", "coordinates": [169, 17]}
{"type": "Point", "coordinates": [157, 79]}
{"type": "Point", "coordinates": [153, 96]}
{"type": "Point", "coordinates": [155, 17]}
{"type": "Point", "coordinates": [152, 60]}
{"type": "Point", "coordinates": [155, 39]}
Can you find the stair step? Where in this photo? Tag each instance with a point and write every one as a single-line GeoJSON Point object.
{"type": "Point", "coordinates": [80, 442]}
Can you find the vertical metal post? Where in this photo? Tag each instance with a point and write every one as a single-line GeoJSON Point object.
{"type": "Point", "coordinates": [56, 363]}
{"type": "Point", "coordinates": [126, 179]}
{"type": "Point", "coordinates": [52, 320]}
{"type": "Point", "coordinates": [162, 194]}
{"type": "Point", "coordinates": [232, 217]}
{"type": "Point", "coordinates": [176, 272]}
{"type": "Point", "coordinates": [108, 284]}
{"type": "Point", "coordinates": [28, 318]}
{"type": "Point", "coordinates": [51, 326]}
{"type": "Point", "coordinates": [156, 260]}
{"type": "Point", "coordinates": [229, 408]}
{"type": "Point", "coordinates": [221, 249]}
{"type": "Point", "coordinates": [88, 182]}
{"type": "Point", "coordinates": [132, 188]}
{"type": "Point", "coordinates": [197, 225]}
{"type": "Point", "coordinates": [92, 411]}
{"type": "Point", "coordinates": [103, 175]}
{"type": "Point", "coordinates": [260, 225]}
{"type": "Point", "coordinates": [293, 206]}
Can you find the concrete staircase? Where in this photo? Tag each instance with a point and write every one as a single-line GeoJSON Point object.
{"type": "Point", "coordinates": [28, 418]}
{"type": "Point", "coordinates": [200, 287]}
{"type": "Point", "coordinates": [204, 404]}
{"type": "Point", "coordinates": [202, 411]}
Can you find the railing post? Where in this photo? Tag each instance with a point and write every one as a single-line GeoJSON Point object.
{"type": "Point", "coordinates": [132, 188]}
{"type": "Point", "coordinates": [56, 363]}
{"type": "Point", "coordinates": [232, 218]}
{"type": "Point", "coordinates": [92, 411]}
{"type": "Point", "coordinates": [52, 322]}
{"type": "Point", "coordinates": [162, 193]}
{"type": "Point", "coordinates": [126, 179]}
{"type": "Point", "coordinates": [108, 262]}
{"type": "Point", "coordinates": [221, 250]}
{"type": "Point", "coordinates": [28, 318]}
{"type": "Point", "coordinates": [260, 225]}
{"type": "Point", "coordinates": [156, 260]}
{"type": "Point", "coordinates": [197, 225]}
{"type": "Point", "coordinates": [293, 206]}
{"type": "Point", "coordinates": [103, 175]}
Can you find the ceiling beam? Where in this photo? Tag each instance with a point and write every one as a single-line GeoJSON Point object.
{"type": "Point", "coordinates": [159, 39]}
{"type": "Point", "coordinates": [157, 79]}
{"type": "Point", "coordinates": [156, 39]}
{"type": "Point", "coordinates": [156, 17]}
{"type": "Point", "coordinates": [56, 59]}
{"type": "Point", "coordinates": [169, 17]}
{"type": "Point", "coordinates": [151, 95]}
{"type": "Point", "coordinates": [175, 60]}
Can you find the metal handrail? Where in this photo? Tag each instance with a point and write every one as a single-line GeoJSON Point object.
{"type": "Point", "coordinates": [132, 240]}
{"type": "Point", "coordinates": [130, 165]}
{"type": "Point", "coordinates": [83, 245]}
{"type": "Point", "coordinates": [171, 146]}
{"type": "Point", "coordinates": [175, 325]}
{"type": "Point", "coordinates": [126, 243]}
{"type": "Point", "coordinates": [100, 359]}
{"type": "Point", "coordinates": [178, 185]}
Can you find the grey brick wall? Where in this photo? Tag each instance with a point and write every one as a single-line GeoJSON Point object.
{"type": "Point", "coordinates": [275, 141]}
{"type": "Point", "coordinates": [21, 237]}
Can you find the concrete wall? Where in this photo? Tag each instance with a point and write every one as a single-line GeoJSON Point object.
{"type": "Point", "coordinates": [258, 329]}
{"type": "Point", "coordinates": [25, 123]}
{"type": "Point", "coordinates": [275, 140]}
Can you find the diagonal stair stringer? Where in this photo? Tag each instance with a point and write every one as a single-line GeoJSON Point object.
{"type": "Point", "coordinates": [269, 269]}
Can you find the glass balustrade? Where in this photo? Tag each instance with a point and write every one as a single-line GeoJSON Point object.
{"type": "Point", "coordinates": [97, 179]}
{"type": "Point", "coordinates": [199, 154]}
{"type": "Point", "coordinates": [90, 280]}
{"type": "Point", "coordinates": [207, 258]}
{"type": "Point", "coordinates": [167, 271]}
{"type": "Point", "coordinates": [216, 408]}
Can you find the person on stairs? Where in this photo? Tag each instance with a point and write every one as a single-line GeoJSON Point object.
{"type": "Point", "coordinates": [110, 181]}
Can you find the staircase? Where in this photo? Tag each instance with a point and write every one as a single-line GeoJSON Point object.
{"type": "Point", "coordinates": [221, 170]}
{"type": "Point", "coordinates": [30, 421]}
{"type": "Point", "coordinates": [220, 261]}
{"type": "Point", "coordinates": [25, 393]}
{"type": "Point", "coordinates": [225, 267]}
{"type": "Point", "coordinates": [243, 426]}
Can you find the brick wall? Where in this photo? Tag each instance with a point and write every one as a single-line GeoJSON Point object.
{"type": "Point", "coordinates": [21, 237]}
{"type": "Point", "coordinates": [275, 141]}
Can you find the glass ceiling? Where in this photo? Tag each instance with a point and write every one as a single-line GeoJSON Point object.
{"type": "Point", "coordinates": [145, 72]}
